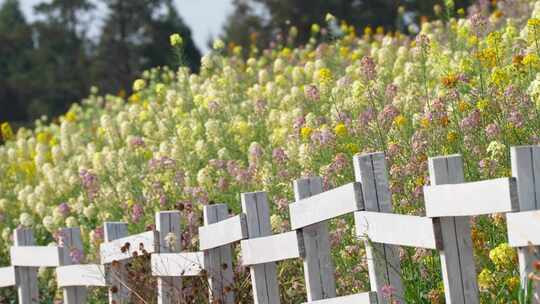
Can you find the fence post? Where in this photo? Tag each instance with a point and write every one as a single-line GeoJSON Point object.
{"type": "Point", "coordinates": [526, 170]}
{"type": "Point", "coordinates": [318, 267]}
{"type": "Point", "coordinates": [383, 259]}
{"type": "Point", "coordinates": [263, 276]}
{"type": "Point", "coordinates": [457, 259]}
{"type": "Point", "coordinates": [26, 277]}
{"type": "Point", "coordinates": [116, 272]}
{"type": "Point", "coordinates": [72, 243]}
{"type": "Point", "coordinates": [167, 225]}
{"type": "Point", "coordinates": [218, 261]}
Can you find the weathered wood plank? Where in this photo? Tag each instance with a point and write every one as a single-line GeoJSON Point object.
{"type": "Point", "coordinates": [526, 169]}
{"type": "Point", "coordinates": [222, 233]}
{"type": "Point", "coordinates": [170, 237]}
{"type": "Point", "coordinates": [116, 274]}
{"type": "Point", "coordinates": [182, 264]}
{"type": "Point", "coordinates": [71, 241]}
{"type": "Point", "coordinates": [7, 276]}
{"type": "Point", "coordinates": [318, 266]}
{"type": "Point", "coordinates": [81, 275]}
{"type": "Point", "coordinates": [469, 199]}
{"type": "Point", "coordinates": [397, 229]}
{"type": "Point", "coordinates": [263, 276]}
{"type": "Point", "coordinates": [36, 256]}
{"type": "Point", "coordinates": [383, 259]}
{"type": "Point", "coordinates": [274, 248]}
{"type": "Point", "coordinates": [523, 228]}
{"type": "Point", "coordinates": [26, 277]}
{"type": "Point", "coordinates": [325, 205]}
{"type": "Point", "coordinates": [112, 251]}
{"type": "Point", "coordinates": [360, 298]}
{"type": "Point", "coordinates": [218, 257]}
{"type": "Point", "coordinates": [457, 259]}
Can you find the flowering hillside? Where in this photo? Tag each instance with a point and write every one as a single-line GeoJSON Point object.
{"type": "Point", "coordinates": [465, 84]}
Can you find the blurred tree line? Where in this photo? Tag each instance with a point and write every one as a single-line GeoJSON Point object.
{"type": "Point", "coordinates": [48, 64]}
{"type": "Point", "coordinates": [265, 22]}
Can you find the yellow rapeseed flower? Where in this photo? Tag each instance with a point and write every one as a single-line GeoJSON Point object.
{"type": "Point", "coordinates": [463, 106]}
{"type": "Point", "coordinates": [486, 279]}
{"type": "Point", "coordinates": [451, 136]}
{"type": "Point", "coordinates": [306, 132]}
{"type": "Point", "coordinates": [513, 283]}
{"type": "Point", "coordinates": [353, 148]}
{"type": "Point", "coordinates": [400, 121]}
{"type": "Point", "coordinates": [176, 40]}
{"type": "Point", "coordinates": [530, 60]}
{"type": "Point", "coordinates": [324, 75]}
{"type": "Point", "coordinates": [424, 122]}
{"type": "Point", "coordinates": [71, 116]}
{"type": "Point", "coordinates": [533, 23]}
{"type": "Point", "coordinates": [138, 85]}
{"type": "Point", "coordinates": [6, 131]}
{"type": "Point", "coordinates": [503, 256]}
{"type": "Point", "coordinates": [340, 129]}
{"type": "Point", "coordinates": [43, 137]}
{"type": "Point", "coordinates": [482, 105]}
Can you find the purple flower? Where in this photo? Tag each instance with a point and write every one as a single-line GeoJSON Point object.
{"type": "Point", "coordinates": [368, 68]}
{"type": "Point", "coordinates": [137, 211]}
{"type": "Point", "coordinates": [516, 118]}
{"type": "Point", "coordinates": [76, 255]}
{"type": "Point", "coordinates": [492, 130]}
{"type": "Point", "coordinates": [471, 121]}
{"type": "Point", "coordinates": [63, 209]}
{"type": "Point", "coordinates": [391, 91]}
{"type": "Point", "coordinates": [90, 183]}
{"type": "Point", "coordinates": [136, 142]}
{"type": "Point", "coordinates": [367, 116]}
{"type": "Point", "coordinates": [279, 155]}
{"type": "Point", "coordinates": [479, 24]}
{"type": "Point", "coordinates": [311, 92]}
{"type": "Point", "coordinates": [388, 114]}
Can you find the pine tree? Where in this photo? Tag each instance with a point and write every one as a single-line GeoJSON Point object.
{"type": "Point", "coordinates": [16, 42]}
{"type": "Point", "coordinates": [135, 37]}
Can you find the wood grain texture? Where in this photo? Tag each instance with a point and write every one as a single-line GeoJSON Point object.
{"type": "Point", "coordinates": [26, 277]}
{"type": "Point", "coordinates": [523, 228]}
{"type": "Point", "coordinates": [397, 229]}
{"type": "Point", "coordinates": [224, 232]}
{"type": "Point", "coordinates": [470, 199]}
{"type": "Point", "coordinates": [81, 275]}
{"type": "Point", "coordinates": [169, 236]}
{"type": "Point", "coordinates": [263, 276]}
{"type": "Point", "coordinates": [36, 256]}
{"type": "Point", "coordinates": [113, 250]}
{"type": "Point", "coordinates": [526, 169]}
{"type": "Point", "coordinates": [71, 242]}
{"type": "Point", "coordinates": [183, 264]}
{"type": "Point", "coordinates": [383, 259]}
{"type": "Point", "coordinates": [457, 258]}
{"type": "Point", "coordinates": [318, 265]}
{"type": "Point", "coordinates": [218, 257]}
{"type": "Point", "coordinates": [274, 248]}
{"type": "Point", "coordinates": [116, 275]}
{"type": "Point", "coordinates": [325, 205]}
{"type": "Point", "coordinates": [360, 298]}
{"type": "Point", "coordinates": [7, 276]}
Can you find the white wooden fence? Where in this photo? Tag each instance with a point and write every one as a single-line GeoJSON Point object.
{"type": "Point", "coordinates": [449, 202]}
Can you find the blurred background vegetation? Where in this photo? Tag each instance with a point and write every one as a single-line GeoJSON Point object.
{"type": "Point", "coordinates": [47, 64]}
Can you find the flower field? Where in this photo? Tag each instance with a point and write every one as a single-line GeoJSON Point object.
{"type": "Point", "coordinates": [467, 84]}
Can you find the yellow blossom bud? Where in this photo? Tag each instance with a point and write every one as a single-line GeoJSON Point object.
{"type": "Point", "coordinates": [176, 40]}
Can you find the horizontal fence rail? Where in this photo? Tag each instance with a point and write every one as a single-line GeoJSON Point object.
{"type": "Point", "coordinates": [446, 228]}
